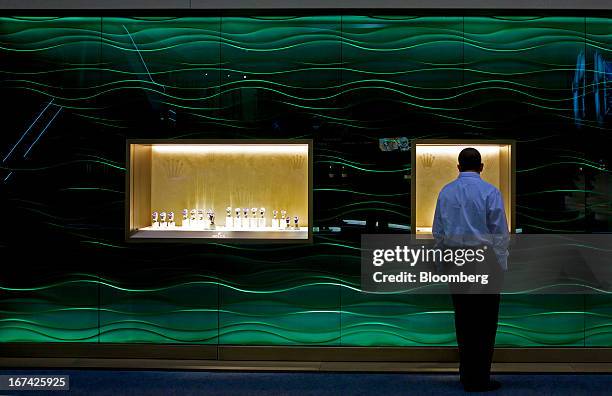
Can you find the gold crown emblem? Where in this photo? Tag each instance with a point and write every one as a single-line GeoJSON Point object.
{"type": "Point", "coordinates": [296, 162]}
{"type": "Point", "coordinates": [174, 168]}
{"type": "Point", "coordinates": [427, 160]}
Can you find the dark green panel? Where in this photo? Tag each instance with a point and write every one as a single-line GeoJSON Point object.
{"type": "Point", "coordinates": [401, 74]}
{"type": "Point", "coordinates": [56, 311]}
{"type": "Point", "coordinates": [66, 53]}
{"type": "Point", "coordinates": [400, 77]}
{"type": "Point", "coordinates": [522, 59]}
{"type": "Point", "coordinates": [44, 294]}
{"type": "Point", "coordinates": [307, 317]}
{"type": "Point", "coordinates": [598, 320]}
{"type": "Point", "coordinates": [286, 295]}
{"type": "Point", "coordinates": [179, 312]}
{"type": "Point", "coordinates": [396, 320]}
{"type": "Point", "coordinates": [518, 78]}
{"type": "Point", "coordinates": [166, 70]}
{"type": "Point", "coordinates": [280, 75]}
{"type": "Point", "coordinates": [541, 320]}
{"type": "Point", "coordinates": [594, 111]}
{"type": "Point", "coordinates": [280, 79]}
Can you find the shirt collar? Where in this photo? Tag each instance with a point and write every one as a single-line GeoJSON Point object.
{"type": "Point", "coordinates": [469, 174]}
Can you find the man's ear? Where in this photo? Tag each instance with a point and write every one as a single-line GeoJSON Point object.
{"type": "Point", "coordinates": [459, 167]}
{"type": "Point", "coordinates": [481, 167]}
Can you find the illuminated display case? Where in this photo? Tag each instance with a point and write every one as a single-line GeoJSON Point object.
{"type": "Point", "coordinates": [255, 190]}
{"type": "Point", "coordinates": [434, 164]}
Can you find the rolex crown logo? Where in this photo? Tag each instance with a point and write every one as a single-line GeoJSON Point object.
{"type": "Point", "coordinates": [296, 162]}
{"type": "Point", "coordinates": [174, 168]}
{"type": "Point", "coordinates": [427, 160]}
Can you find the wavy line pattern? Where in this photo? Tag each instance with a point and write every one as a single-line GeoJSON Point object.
{"type": "Point", "coordinates": [345, 81]}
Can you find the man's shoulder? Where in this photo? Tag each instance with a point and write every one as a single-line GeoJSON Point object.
{"type": "Point", "coordinates": [489, 187]}
{"type": "Point", "coordinates": [483, 186]}
{"type": "Point", "coordinates": [449, 187]}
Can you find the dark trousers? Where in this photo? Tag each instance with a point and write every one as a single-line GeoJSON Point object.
{"type": "Point", "coordinates": [476, 318]}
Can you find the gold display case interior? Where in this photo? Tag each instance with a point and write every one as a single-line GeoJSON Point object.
{"type": "Point", "coordinates": [172, 176]}
{"type": "Point", "coordinates": [434, 164]}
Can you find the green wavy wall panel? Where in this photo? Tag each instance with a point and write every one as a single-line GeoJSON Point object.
{"type": "Point", "coordinates": [345, 81]}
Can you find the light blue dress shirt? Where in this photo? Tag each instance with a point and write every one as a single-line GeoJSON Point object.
{"type": "Point", "coordinates": [470, 212]}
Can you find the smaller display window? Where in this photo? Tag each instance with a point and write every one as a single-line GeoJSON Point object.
{"type": "Point", "coordinates": [434, 164]}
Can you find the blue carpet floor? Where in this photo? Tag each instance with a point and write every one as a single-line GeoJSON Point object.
{"type": "Point", "coordinates": [116, 383]}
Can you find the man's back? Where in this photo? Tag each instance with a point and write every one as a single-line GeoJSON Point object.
{"type": "Point", "coordinates": [470, 211]}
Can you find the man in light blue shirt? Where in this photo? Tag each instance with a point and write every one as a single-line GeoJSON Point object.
{"type": "Point", "coordinates": [470, 213]}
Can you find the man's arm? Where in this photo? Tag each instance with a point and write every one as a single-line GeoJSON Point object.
{"type": "Point", "coordinates": [498, 227]}
{"type": "Point", "coordinates": [438, 227]}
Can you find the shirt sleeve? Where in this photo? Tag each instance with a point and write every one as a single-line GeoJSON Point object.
{"type": "Point", "coordinates": [498, 227]}
{"type": "Point", "coordinates": [438, 228]}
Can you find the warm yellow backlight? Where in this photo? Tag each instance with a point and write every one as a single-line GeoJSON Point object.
{"type": "Point", "coordinates": [231, 148]}
{"type": "Point", "coordinates": [454, 150]}
{"type": "Point", "coordinates": [435, 166]}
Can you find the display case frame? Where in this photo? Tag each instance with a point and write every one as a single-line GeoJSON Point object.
{"type": "Point", "coordinates": [463, 142]}
{"type": "Point", "coordinates": [130, 180]}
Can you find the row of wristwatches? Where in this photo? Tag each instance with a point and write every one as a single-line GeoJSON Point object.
{"type": "Point", "coordinates": [198, 218]}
